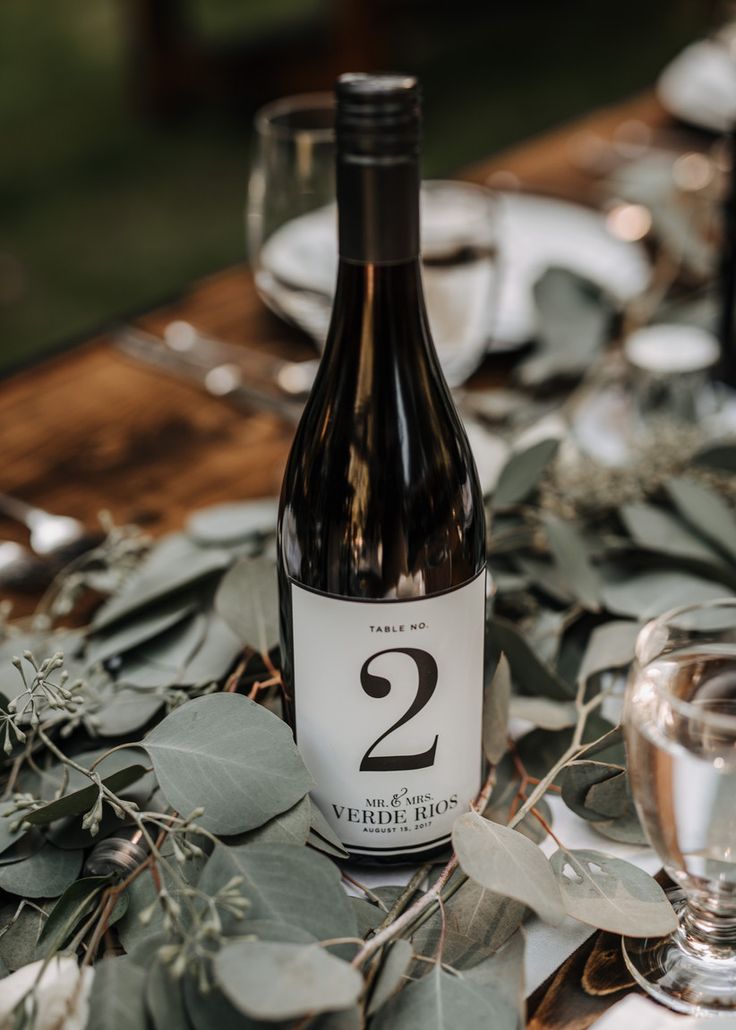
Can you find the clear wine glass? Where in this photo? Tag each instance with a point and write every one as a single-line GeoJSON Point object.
{"type": "Point", "coordinates": [680, 721]}
{"type": "Point", "coordinates": [292, 236]}
{"type": "Point", "coordinates": [291, 213]}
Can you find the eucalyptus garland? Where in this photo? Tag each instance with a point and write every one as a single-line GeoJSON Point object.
{"type": "Point", "coordinates": [161, 862]}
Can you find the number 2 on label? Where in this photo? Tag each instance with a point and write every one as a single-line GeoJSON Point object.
{"type": "Point", "coordinates": [379, 687]}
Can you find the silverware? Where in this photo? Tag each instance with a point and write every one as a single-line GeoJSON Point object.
{"type": "Point", "coordinates": [248, 378]}
{"type": "Point", "coordinates": [51, 535]}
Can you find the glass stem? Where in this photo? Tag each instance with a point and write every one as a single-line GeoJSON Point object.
{"type": "Point", "coordinates": [708, 925]}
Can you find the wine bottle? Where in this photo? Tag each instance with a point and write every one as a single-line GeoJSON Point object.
{"type": "Point", "coordinates": [381, 538]}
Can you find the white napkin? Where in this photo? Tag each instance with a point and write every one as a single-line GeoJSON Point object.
{"type": "Point", "coordinates": [635, 1012]}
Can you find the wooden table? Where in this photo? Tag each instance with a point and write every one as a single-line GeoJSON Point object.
{"type": "Point", "coordinates": [88, 430]}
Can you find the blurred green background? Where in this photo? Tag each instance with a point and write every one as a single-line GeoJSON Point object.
{"type": "Point", "coordinates": [125, 124]}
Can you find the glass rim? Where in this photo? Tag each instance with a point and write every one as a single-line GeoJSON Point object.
{"type": "Point", "coordinates": [689, 709]}
{"type": "Point", "coordinates": [263, 120]}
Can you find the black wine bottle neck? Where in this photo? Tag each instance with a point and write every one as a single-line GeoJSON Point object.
{"type": "Point", "coordinates": [378, 209]}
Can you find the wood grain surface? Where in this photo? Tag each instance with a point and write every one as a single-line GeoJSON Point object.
{"type": "Point", "coordinates": [89, 429]}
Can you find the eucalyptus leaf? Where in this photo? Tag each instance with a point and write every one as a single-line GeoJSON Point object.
{"type": "Point", "coordinates": [398, 957]}
{"type": "Point", "coordinates": [247, 599]}
{"type": "Point", "coordinates": [610, 646]}
{"type": "Point", "coordinates": [612, 894]}
{"type": "Point", "coordinates": [441, 1001]}
{"type": "Point", "coordinates": [165, 999]}
{"type": "Point", "coordinates": [127, 712]}
{"type": "Point", "coordinates": [216, 654]}
{"type": "Point", "coordinates": [20, 926]}
{"type": "Point", "coordinates": [648, 594]}
{"type": "Point", "coordinates": [546, 577]}
{"type": "Point", "coordinates": [579, 777]}
{"type": "Point", "coordinates": [137, 630]}
{"type": "Point", "coordinates": [269, 980]}
{"type": "Point", "coordinates": [117, 998]}
{"type": "Point", "coordinates": [172, 650]}
{"type": "Point", "coordinates": [290, 827]}
{"type": "Point", "coordinates": [625, 830]}
{"type": "Point", "coordinates": [314, 840]}
{"type": "Point", "coordinates": [76, 901]}
{"type": "Point", "coordinates": [720, 456]}
{"type": "Point", "coordinates": [706, 511]}
{"type": "Point", "coordinates": [228, 754]}
{"type": "Point", "coordinates": [367, 915]}
{"type": "Point", "coordinates": [211, 1010]}
{"type": "Point", "coordinates": [659, 530]}
{"type": "Point", "coordinates": [288, 884]}
{"type": "Point", "coordinates": [496, 698]}
{"type": "Point", "coordinates": [570, 554]}
{"type": "Point", "coordinates": [503, 971]}
{"type": "Point", "coordinates": [326, 835]}
{"type": "Point", "coordinates": [232, 523]}
{"type": "Point", "coordinates": [611, 798]}
{"type": "Point", "coordinates": [81, 801]}
{"type": "Point", "coordinates": [531, 675]}
{"type": "Point", "coordinates": [477, 923]}
{"type": "Point", "coordinates": [174, 563]}
{"type": "Point", "coordinates": [504, 861]}
{"type": "Point", "coordinates": [545, 713]}
{"type": "Point", "coordinates": [522, 473]}
{"type": "Point", "coordinates": [46, 874]}
{"type": "Point", "coordinates": [9, 819]}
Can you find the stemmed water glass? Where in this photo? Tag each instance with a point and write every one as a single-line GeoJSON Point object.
{"type": "Point", "coordinates": [680, 720]}
{"type": "Point", "coordinates": [292, 235]}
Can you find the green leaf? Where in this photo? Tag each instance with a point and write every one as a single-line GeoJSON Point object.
{"type": "Point", "coordinates": [706, 511]}
{"type": "Point", "coordinates": [8, 819]}
{"type": "Point", "coordinates": [46, 874]}
{"type": "Point", "coordinates": [626, 829]}
{"type": "Point", "coordinates": [610, 646]}
{"type": "Point", "coordinates": [649, 594]}
{"type": "Point", "coordinates": [545, 713]}
{"type": "Point", "coordinates": [127, 712]}
{"type": "Point", "coordinates": [503, 972]}
{"type": "Point", "coordinates": [216, 654]}
{"type": "Point", "coordinates": [174, 563]}
{"type": "Point", "coordinates": [504, 861]}
{"type": "Point", "coordinates": [292, 885]}
{"type": "Point", "coordinates": [440, 1001]}
{"type": "Point", "coordinates": [496, 698]}
{"type": "Point", "coordinates": [117, 998]}
{"type": "Point", "coordinates": [326, 838]}
{"type": "Point", "coordinates": [522, 473]}
{"type": "Point", "coordinates": [165, 999]}
{"type": "Point", "coordinates": [531, 675]}
{"type": "Point", "coordinates": [571, 558]}
{"type": "Point", "coordinates": [478, 922]}
{"type": "Point", "coordinates": [395, 965]}
{"type": "Point", "coordinates": [719, 456]}
{"type": "Point", "coordinates": [247, 599]}
{"type": "Point", "coordinates": [612, 895]}
{"type": "Point", "coordinates": [268, 980]}
{"type": "Point", "coordinates": [134, 631]}
{"type": "Point", "coordinates": [76, 901]}
{"type": "Point", "coordinates": [227, 753]}
{"type": "Point", "coordinates": [578, 778]}
{"type": "Point", "coordinates": [232, 523]}
{"type": "Point", "coordinates": [19, 932]}
{"type": "Point", "coordinates": [213, 1011]}
{"type": "Point", "coordinates": [82, 800]}
{"type": "Point", "coordinates": [658, 530]}
{"type": "Point", "coordinates": [290, 827]}
{"type": "Point", "coordinates": [546, 577]}
{"type": "Point", "coordinates": [367, 915]}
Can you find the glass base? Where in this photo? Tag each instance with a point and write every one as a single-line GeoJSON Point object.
{"type": "Point", "coordinates": [683, 973]}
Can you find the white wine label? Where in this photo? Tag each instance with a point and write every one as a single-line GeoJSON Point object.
{"type": "Point", "coordinates": [388, 701]}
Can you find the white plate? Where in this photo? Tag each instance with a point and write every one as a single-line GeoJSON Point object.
{"type": "Point", "coordinates": [699, 85]}
{"type": "Point", "coordinates": [535, 233]}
